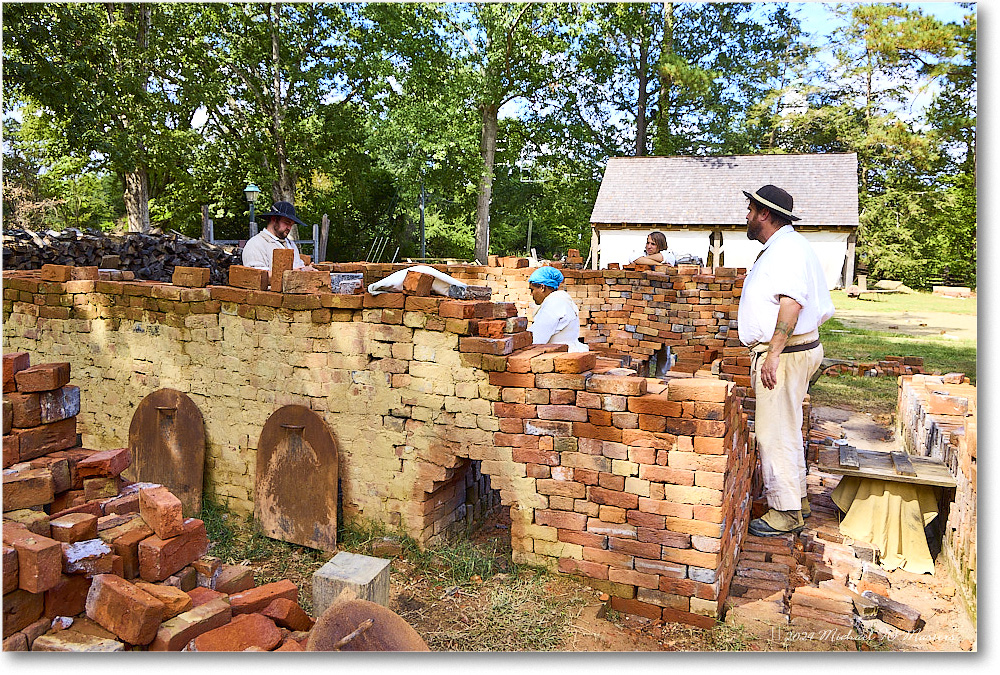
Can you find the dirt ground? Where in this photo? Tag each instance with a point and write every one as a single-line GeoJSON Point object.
{"type": "Point", "coordinates": [919, 324]}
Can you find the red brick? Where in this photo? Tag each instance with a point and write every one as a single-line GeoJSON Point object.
{"type": "Point", "coordinates": [584, 568]}
{"type": "Point", "coordinates": [617, 384]}
{"type": "Point", "coordinates": [201, 595]}
{"type": "Point", "coordinates": [162, 511]}
{"type": "Point", "coordinates": [563, 488]}
{"type": "Point", "coordinates": [124, 609]}
{"type": "Point", "coordinates": [509, 379]}
{"type": "Point", "coordinates": [641, 519]}
{"type": "Point", "coordinates": [20, 610]}
{"type": "Point", "coordinates": [174, 634]}
{"type": "Point", "coordinates": [175, 601]}
{"type": "Point", "coordinates": [248, 277]}
{"type": "Point", "coordinates": [27, 488]}
{"type": "Point", "coordinates": [574, 362]}
{"type": "Point", "coordinates": [68, 597]}
{"type": "Point", "coordinates": [418, 283]}
{"type": "Point", "coordinates": [605, 557]}
{"type": "Point", "coordinates": [191, 277]}
{"type": "Point", "coordinates": [568, 413]}
{"type": "Point", "coordinates": [583, 538]}
{"type": "Point", "coordinates": [234, 579]}
{"type": "Point", "coordinates": [561, 519]}
{"type": "Point", "coordinates": [159, 558]}
{"type": "Point", "coordinates": [623, 500]}
{"type": "Point", "coordinates": [465, 309]}
{"type": "Point", "coordinates": [89, 557]}
{"type": "Point", "coordinates": [43, 377]}
{"type": "Point", "coordinates": [632, 578]}
{"type": "Point", "coordinates": [56, 273]}
{"type": "Point", "coordinates": [256, 599]}
{"type": "Point", "coordinates": [42, 440]}
{"type": "Point", "coordinates": [13, 363]}
{"type": "Point", "coordinates": [290, 645]}
{"type": "Point", "coordinates": [9, 569]}
{"type": "Point", "coordinates": [105, 463]}
{"type": "Point", "coordinates": [26, 409]}
{"type": "Point", "coordinates": [281, 259]}
{"type": "Point", "coordinates": [654, 404]}
{"type": "Point", "coordinates": [39, 559]}
{"type": "Point", "coordinates": [630, 606]}
{"type": "Point", "coordinates": [287, 613]}
{"type": "Point", "coordinates": [518, 410]}
{"type": "Point", "coordinates": [664, 474]}
{"type": "Point", "coordinates": [691, 557]}
{"type": "Point", "coordinates": [697, 389]}
{"type": "Point", "coordinates": [632, 547]}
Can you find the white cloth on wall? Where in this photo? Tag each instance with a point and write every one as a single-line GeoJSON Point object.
{"type": "Point", "coordinates": [394, 282]}
{"type": "Point", "coordinates": [624, 246]}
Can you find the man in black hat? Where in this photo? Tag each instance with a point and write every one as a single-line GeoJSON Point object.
{"type": "Point", "coordinates": [785, 299]}
{"type": "Point", "coordinates": [281, 220]}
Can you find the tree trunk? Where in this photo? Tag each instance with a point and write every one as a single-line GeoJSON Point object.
{"type": "Point", "coordinates": [137, 200]}
{"type": "Point", "coordinates": [488, 147]}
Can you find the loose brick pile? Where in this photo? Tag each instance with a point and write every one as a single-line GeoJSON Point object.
{"type": "Point", "coordinates": [891, 365]}
{"type": "Point", "coordinates": [937, 417]}
{"type": "Point", "coordinates": [118, 558]}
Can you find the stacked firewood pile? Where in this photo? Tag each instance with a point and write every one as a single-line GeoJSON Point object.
{"type": "Point", "coordinates": [150, 257]}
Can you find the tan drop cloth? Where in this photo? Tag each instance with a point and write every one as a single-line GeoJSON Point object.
{"type": "Point", "coordinates": [891, 516]}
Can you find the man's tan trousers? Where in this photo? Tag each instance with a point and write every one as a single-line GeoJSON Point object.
{"type": "Point", "coordinates": [778, 422]}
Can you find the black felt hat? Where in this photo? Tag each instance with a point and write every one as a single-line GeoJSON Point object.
{"type": "Point", "coordinates": [774, 197]}
{"type": "Point", "coordinates": [283, 210]}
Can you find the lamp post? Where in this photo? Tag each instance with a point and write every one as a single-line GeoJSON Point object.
{"type": "Point", "coordinates": [250, 192]}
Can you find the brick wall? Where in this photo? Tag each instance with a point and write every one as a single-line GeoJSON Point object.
{"type": "Point", "coordinates": [645, 492]}
{"type": "Point", "coordinates": [937, 418]}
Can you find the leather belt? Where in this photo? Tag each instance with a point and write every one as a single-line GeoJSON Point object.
{"type": "Point", "coordinates": [801, 348]}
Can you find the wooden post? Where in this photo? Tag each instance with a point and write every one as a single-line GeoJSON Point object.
{"type": "Point", "coordinates": [205, 234]}
{"type": "Point", "coordinates": [849, 262]}
{"type": "Point", "coordinates": [315, 240]}
{"type": "Point", "coordinates": [324, 234]}
{"type": "Point", "coordinates": [595, 247]}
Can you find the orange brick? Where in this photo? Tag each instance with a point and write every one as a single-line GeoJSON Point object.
{"type": "Point", "coordinates": [73, 527]}
{"type": "Point", "coordinates": [256, 599]}
{"type": "Point", "coordinates": [418, 283]}
{"type": "Point", "coordinates": [697, 389]}
{"type": "Point", "coordinates": [191, 277]}
{"type": "Point", "coordinates": [56, 273]}
{"type": "Point", "coordinates": [13, 363]}
{"type": "Point", "coordinates": [162, 511]}
{"type": "Point", "coordinates": [584, 568]}
{"type": "Point", "coordinates": [287, 613]}
{"type": "Point", "coordinates": [616, 384]}
{"type": "Point", "coordinates": [124, 609]}
{"type": "Point", "coordinates": [281, 259]}
{"type": "Point", "coordinates": [39, 559]}
{"type": "Point", "coordinates": [159, 558]}
{"type": "Point", "coordinates": [243, 632]}
{"type": "Point", "coordinates": [574, 362]}
{"type": "Point", "coordinates": [654, 404]}
{"type": "Point", "coordinates": [43, 377]}
{"type": "Point", "coordinates": [104, 463]}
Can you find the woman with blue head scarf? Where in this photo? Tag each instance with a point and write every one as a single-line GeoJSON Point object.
{"type": "Point", "coordinates": [557, 320]}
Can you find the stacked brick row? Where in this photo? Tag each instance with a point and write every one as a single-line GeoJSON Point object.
{"type": "Point", "coordinates": [937, 417]}
{"type": "Point", "coordinates": [631, 476]}
{"type": "Point", "coordinates": [84, 547]}
{"type": "Point", "coordinates": [891, 365]}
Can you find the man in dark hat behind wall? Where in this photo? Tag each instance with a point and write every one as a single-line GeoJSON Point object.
{"type": "Point", "coordinates": [785, 299]}
{"type": "Point", "coordinates": [281, 220]}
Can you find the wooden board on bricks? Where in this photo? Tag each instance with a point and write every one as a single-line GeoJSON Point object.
{"type": "Point", "coordinates": [167, 440]}
{"type": "Point", "coordinates": [295, 498]}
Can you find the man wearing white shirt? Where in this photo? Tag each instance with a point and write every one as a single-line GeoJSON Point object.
{"type": "Point", "coordinates": [281, 220]}
{"type": "Point", "coordinates": [784, 301]}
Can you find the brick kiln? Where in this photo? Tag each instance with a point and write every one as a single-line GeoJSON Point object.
{"type": "Point", "coordinates": [441, 408]}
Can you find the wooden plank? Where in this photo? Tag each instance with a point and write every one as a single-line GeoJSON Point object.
{"type": "Point", "coordinates": [849, 457]}
{"type": "Point", "coordinates": [879, 465]}
{"type": "Point", "coordinates": [901, 464]}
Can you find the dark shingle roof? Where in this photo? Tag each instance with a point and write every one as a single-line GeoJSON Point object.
{"type": "Point", "coordinates": [709, 190]}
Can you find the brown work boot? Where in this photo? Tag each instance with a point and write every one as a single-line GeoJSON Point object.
{"type": "Point", "coordinates": [775, 523]}
{"type": "Point", "coordinates": [806, 511]}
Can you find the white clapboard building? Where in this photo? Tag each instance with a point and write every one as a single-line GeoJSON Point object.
{"type": "Point", "coordinates": [698, 203]}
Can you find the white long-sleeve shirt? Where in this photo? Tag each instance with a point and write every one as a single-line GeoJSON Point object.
{"type": "Point", "coordinates": [787, 266]}
{"type": "Point", "coordinates": [557, 321]}
{"type": "Point", "coordinates": [257, 252]}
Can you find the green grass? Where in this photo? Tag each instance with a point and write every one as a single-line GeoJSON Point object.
{"type": "Point", "coordinates": [904, 302]}
{"type": "Point", "coordinates": [855, 344]}
{"type": "Point", "coordinates": [878, 395]}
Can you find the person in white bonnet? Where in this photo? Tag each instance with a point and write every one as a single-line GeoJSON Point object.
{"type": "Point", "coordinates": [557, 320]}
